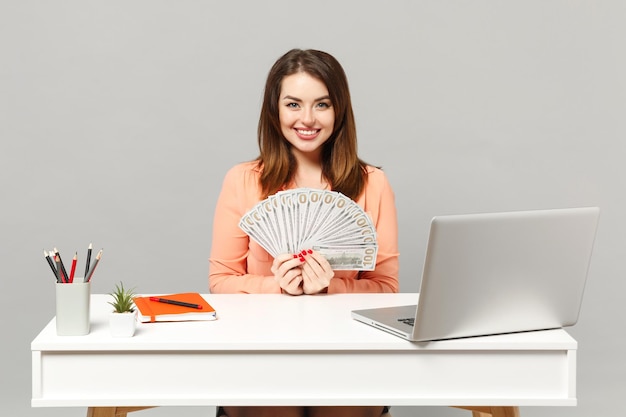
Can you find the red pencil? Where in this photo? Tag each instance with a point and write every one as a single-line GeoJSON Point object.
{"type": "Point", "coordinates": [73, 267]}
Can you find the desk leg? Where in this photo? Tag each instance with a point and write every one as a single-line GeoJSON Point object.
{"type": "Point", "coordinates": [493, 411]}
{"type": "Point", "coordinates": [112, 411]}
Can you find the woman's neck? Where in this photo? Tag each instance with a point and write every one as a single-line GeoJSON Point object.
{"type": "Point", "coordinates": [309, 174]}
{"type": "Point", "coordinates": [310, 181]}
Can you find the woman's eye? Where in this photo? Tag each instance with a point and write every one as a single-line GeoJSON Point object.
{"type": "Point", "coordinates": [292, 105]}
{"type": "Point", "coordinates": [323, 105]}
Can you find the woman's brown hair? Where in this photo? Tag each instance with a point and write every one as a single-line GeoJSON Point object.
{"type": "Point", "coordinates": [341, 166]}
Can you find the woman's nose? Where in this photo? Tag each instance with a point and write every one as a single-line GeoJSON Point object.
{"type": "Point", "coordinates": [308, 117]}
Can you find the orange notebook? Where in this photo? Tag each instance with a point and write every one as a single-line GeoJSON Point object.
{"type": "Point", "coordinates": [169, 308]}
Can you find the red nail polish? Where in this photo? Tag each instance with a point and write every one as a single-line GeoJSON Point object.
{"type": "Point", "coordinates": [295, 256]}
{"type": "Point", "coordinates": [302, 259]}
{"type": "Point", "coordinates": [309, 251]}
{"type": "Point", "coordinates": [303, 252]}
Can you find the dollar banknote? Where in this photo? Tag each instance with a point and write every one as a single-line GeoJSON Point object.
{"type": "Point", "coordinates": [360, 258]}
{"type": "Point", "coordinates": [327, 221]}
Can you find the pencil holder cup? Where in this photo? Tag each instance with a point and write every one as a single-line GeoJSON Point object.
{"type": "Point", "coordinates": [72, 308]}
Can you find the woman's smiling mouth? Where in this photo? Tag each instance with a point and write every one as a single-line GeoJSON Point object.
{"type": "Point", "coordinates": [307, 133]}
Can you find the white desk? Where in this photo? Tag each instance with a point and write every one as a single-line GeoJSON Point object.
{"type": "Point", "coordinates": [283, 350]}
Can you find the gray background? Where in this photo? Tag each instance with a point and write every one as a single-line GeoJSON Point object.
{"type": "Point", "coordinates": [118, 120]}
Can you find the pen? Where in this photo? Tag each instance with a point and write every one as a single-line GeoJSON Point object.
{"type": "Point", "coordinates": [88, 259]}
{"type": "Point", "coordinates": [73, 269]}
{"type": "Point", "coordinates": [51, 263]}
{"type": "Point", "coordinates": [64, 275]}
{"type": "Point", "coordinates": [93, 267]}
{"type": "Point", "coordinates": [178, 303]}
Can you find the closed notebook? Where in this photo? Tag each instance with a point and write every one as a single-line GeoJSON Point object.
{"type": "Point", "coordinates": [153, 311]}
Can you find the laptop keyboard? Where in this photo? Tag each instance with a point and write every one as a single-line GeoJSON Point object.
{"type": "Point", "coordinates": [409, 320]}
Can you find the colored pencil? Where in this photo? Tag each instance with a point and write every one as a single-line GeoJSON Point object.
{"type": "Point", "coordinates": [93, 267]}
{"type": "Point", "coordinates": [59, 273]}
{"type": "Point", "coordinates": [65, 277]}
{"type": "Point", "coordinates": [87, 265]}
{"type": "Point", "coordinates": [51, 263]}
{"type": "Point", "coordinates": [73, 269]}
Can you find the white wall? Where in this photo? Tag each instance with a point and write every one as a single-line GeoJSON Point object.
{"type": "Point", "coordinates": [118, 120]}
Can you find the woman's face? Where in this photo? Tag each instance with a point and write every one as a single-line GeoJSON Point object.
{"type": "Point", "coordinates": [306, 114]}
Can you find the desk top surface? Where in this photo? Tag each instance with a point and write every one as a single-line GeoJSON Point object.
{"type": "Point", "coordinates": [281, 322]}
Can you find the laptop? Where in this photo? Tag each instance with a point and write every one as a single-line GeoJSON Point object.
{"type": "Point", "coordinates": [495, 273]}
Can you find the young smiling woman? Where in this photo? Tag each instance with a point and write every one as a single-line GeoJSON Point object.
{"type": "Point", "coordinates": [306, 115]}
{"type": "Point", "coordinates": [307, 138]}
{"type": "Point", "coordinates": [307, 120]}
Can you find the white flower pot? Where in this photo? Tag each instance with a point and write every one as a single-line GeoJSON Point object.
{"type": "Point", "coordinates": [123, 324]}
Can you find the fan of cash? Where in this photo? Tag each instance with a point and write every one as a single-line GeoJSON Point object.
{"type": "Point", "coordinates": [325, 221]}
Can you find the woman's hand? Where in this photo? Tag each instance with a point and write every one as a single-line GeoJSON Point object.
{"type": "Point", "coordinates": [316, 272]}
{"type": "Point", "coordinates": [287, 272]}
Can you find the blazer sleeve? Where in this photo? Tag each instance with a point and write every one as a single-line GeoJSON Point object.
{"type": "Point", "coordinates": [378, 201]}
{"type": "Point", "coordinates": [230, 249]}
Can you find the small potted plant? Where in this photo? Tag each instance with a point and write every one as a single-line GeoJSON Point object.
{"type": "Point", "coordinates": [123, 319]}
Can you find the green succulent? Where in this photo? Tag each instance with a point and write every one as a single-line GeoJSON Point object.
{"type": "Point", "coordinates": [122, 299]}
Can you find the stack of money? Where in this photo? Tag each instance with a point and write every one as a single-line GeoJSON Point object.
{"type": "Point", "coordinates": [325, 221]}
